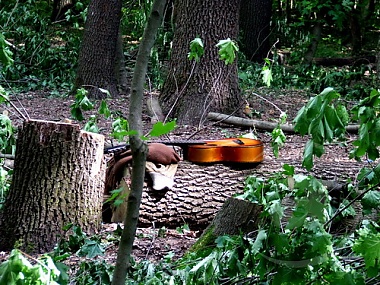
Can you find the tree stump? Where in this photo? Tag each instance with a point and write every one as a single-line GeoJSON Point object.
{"type": "Point", "coordinates": [234, 217]}
{"type": "Point", "coordinates": [58, 179]}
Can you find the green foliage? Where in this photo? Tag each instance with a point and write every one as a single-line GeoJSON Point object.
{"type": "Point", "coordinates": [94, 273]}
{"type": "Point", "coordinates": [120, 129]}
{"type": "Point", "coordinates": [267, 73]}
{"type": "Point", "coordinates": [17, 270]}
{"type": "Point", "coordinates": [366, 112]}
{"type": "Point", "coordinates": [46, 52]}
{"type": "Point", "coordinates": [81, 103]}
{"type": "Point", "coordinates": [78, 243]}
{"type": "Point", "coordinates": [368, 246]}
{"type": "Point", "coordinates": [6, 59]}
{"type": "Point", "coordinates": [227, 50]}
{"type": "Point", "coordinates": [322, 121]}
{"type": "Point", "coordinates": [278, 136]}
{"type": "Point", "coordinates": [161, 128]}
{"type": "Point", "coordinates": [196, 49]}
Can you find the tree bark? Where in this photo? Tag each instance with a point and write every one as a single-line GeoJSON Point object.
{"type": "Point", "coordinates": [96, 64]}
{"type": "Point", "coordinates": [58, 179]}
{"type": "Point", "coordinates": [234, 217]}
{"type": "Point", "coordinates": [200, 190]}
{"type": "Point", "coordinates": [255, 17]}
{"type": "Point", "coordinates": [193, 89]}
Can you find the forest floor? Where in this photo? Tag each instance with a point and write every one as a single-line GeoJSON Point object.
{"type": "Point", "coordinates": [152, 243]}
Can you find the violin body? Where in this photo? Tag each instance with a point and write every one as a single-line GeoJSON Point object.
{"type": "Point", "coordinates": [235, 150]}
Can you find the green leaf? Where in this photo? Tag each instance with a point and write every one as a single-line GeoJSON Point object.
{"type": "Point", "coordinates": [301, 122]}
{"type": "Point", "coordinates": [196, 49]}
{"type": "Point", "coordinates": [85, 104]}
{"type": "Point", "coordinates": [91, 249]}
{"type": "Point", "coordinates": [104, 110]}
{"type": "Point", "coordinates": [368, 246]}
{"type": "Point", "coordinates": [161, 128]}
{"type": "Point", "coordinates": [77, 114]}
{"type": "Point", "coordinates": [91, 125]}
{"type": "Point", "coordinates": [258, 243]}
{"type": "Point", "coordinates": [371, 200]}
{"type": "Point", "coordinates": [307, 161]}
{"type": "Point", "coordinates": [5, 54]}
{"type": "Point", "coordinates": [227, 50]}
{"type": "Point", "coordinates": [278, 140]}
{"type": "Point", "coordinates": [267, 76]}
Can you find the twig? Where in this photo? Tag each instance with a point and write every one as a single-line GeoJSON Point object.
{"type": "Point", "coordinates": [15, 107]}
{"type": "Point", "coordinates": [7, 156]}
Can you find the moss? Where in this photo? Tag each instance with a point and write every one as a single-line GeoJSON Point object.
{"type": "Point", "coordinates": [206, 240]}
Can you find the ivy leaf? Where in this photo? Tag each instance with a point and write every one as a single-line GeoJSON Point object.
{"type": "Point", "coordinates": [161, 128]}
{"type": "Point", "coordinates": [298, 217]}
{"type": "Point", "coordinates": [91, 249]}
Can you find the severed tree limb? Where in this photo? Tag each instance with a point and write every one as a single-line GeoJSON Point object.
{"type": "Point", "coordinates": [262, 125]}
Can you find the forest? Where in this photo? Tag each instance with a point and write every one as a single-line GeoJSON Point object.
{"type": "Point", "coordinates": [100, 99]}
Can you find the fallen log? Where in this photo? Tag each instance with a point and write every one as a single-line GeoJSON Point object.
{"type": "Point", "coordinates": [262, 125]}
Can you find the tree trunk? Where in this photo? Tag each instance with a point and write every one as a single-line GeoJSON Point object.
{"type": "Point", "coordinates": [58, 179]}
{"type": "Point", "coordinates": [96, 64]}
{"type": "Point", "coordinates": [193, 89]}
{"type": "Point", "coordinates": [316, 38]}
{"type": "Point", "coordinates": [200, 190]}
{"type": "Point", "coordinates": [120, 70]}
{"type": "Point", "coordinates": [255, 17]}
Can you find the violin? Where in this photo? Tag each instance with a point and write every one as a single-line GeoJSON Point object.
{"type": "Point", "coordinates": [236, 150]}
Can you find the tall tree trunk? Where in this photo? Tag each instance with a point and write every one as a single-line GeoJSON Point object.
{"type": "Point", "coordinates": [316, 38]}
{"type": "Point", "coordinates": [96, 66]}
{"type": "Point", "coordinates": [255, 17]}
{"type": "Point", "coordinates": [58, 179]}
{"type": "Point", "coordinates": [192, 89]}
{"type": "Point", "coordinates": [120, 70]}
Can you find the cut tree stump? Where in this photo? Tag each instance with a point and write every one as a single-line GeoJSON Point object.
{"type": "Point", "coordinates": [58, 180]}
{"type": "Point", "coordinates": [234, 217]}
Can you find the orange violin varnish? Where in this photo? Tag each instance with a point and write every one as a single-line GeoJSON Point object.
{"type": "Point", "coordinates": [240, 150]}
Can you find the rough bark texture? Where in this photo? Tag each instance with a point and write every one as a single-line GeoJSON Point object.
{"type": "Point", "coordinates": [192, 89]}
{"type": "Point", "coordinates": [96, 66]}
{"type": "Point", "coordinates": [58, 179]}
{"type": "Point", "coordinates": [234, 217]}
{"type": "Point", "coordinates": [255, 17]}
{"type": "Point", "coordinates": [200, 190]}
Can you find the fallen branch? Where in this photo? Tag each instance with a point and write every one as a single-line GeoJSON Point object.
{"type": "Point", "coordinates": [262, 125]}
